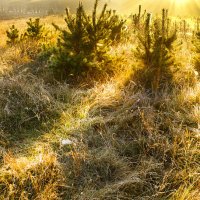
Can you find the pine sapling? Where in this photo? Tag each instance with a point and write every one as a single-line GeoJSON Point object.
{"type": "Point", "coordinates": [85, 41]}
{"type": "Point", "coordinates": [13, 35]}
{"type": "Point", "coordinates": [34, 29]}
{"type": "Point", "coordinates": [155, 44]}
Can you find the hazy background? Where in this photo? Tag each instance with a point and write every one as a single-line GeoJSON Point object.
{"type": "Point", "coordinates": [43, 7]}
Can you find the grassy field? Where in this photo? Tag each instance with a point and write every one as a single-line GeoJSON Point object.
{"type": "Point", "coordinates": [107, 138]}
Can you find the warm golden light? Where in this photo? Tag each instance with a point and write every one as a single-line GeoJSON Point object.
{"type": "Point", "coordinates": [181, 1]}
{"type": "Point", "coordinates": [176, 7]}
{"type": "Point", "coordinates": [185, 7]}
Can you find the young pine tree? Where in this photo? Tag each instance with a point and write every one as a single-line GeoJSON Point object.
{"type": "Point", "coordinates": [85, 41]}
{"type": "Point", "coordinates": [155, 50]}
{"type": "Point", "coordinates": [13, 35]}
{"type": "Point", "coordinates": [34, 29]}
{"type": "Point", "coordinates": [72, 52]}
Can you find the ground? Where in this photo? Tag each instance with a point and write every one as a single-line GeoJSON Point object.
{"type": "Point", "coordinates": [108, 139]}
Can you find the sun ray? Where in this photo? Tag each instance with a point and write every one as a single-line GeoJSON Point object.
{"type": "Point", "coordinates": [176, 7]}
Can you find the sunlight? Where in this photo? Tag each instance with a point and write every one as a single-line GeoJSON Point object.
{"type": "Point", "coordinates": [101, 99]}
{"type": "Point", "coordinates": [184, 7]}
{"type": "Point", "coordinates": [184, 3]}
{"type": "Point", "coordinates": [177, 7]}
{"type": "Point", "coordinates": [180, 2]}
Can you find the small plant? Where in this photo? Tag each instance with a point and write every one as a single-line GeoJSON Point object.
{"type": "Point", "coordinates": [13, 35]}
{"type": "Point", "coordinates": [71, 52]}
{"type": "Point", "coordinates": [85, 41]}
{"type": "Point", "coordinates": [29, 42]}
{"type": "Point", "coordinates": [34, 29]}
{"type": "Point", "coordinates": [155, 47]}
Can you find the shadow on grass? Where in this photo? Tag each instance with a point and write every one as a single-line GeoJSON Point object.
{"type": "Point", "coordinates": [29, 105]}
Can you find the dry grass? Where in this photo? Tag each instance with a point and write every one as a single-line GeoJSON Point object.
{"type": "Point", "coordinates": [38, 177]}
{"type": "Point", "coordinates": [125, 143]}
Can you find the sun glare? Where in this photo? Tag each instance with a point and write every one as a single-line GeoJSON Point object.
{"type": "Point", "coordinates": [181, 1]}
{"type": "Point", "coordinates": [185, 7]}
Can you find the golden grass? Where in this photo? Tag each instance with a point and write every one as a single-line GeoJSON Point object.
{"type": "Point", "coordinates": [126, 144]}
{"type": "Point", "coordinates": [37, 177]}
